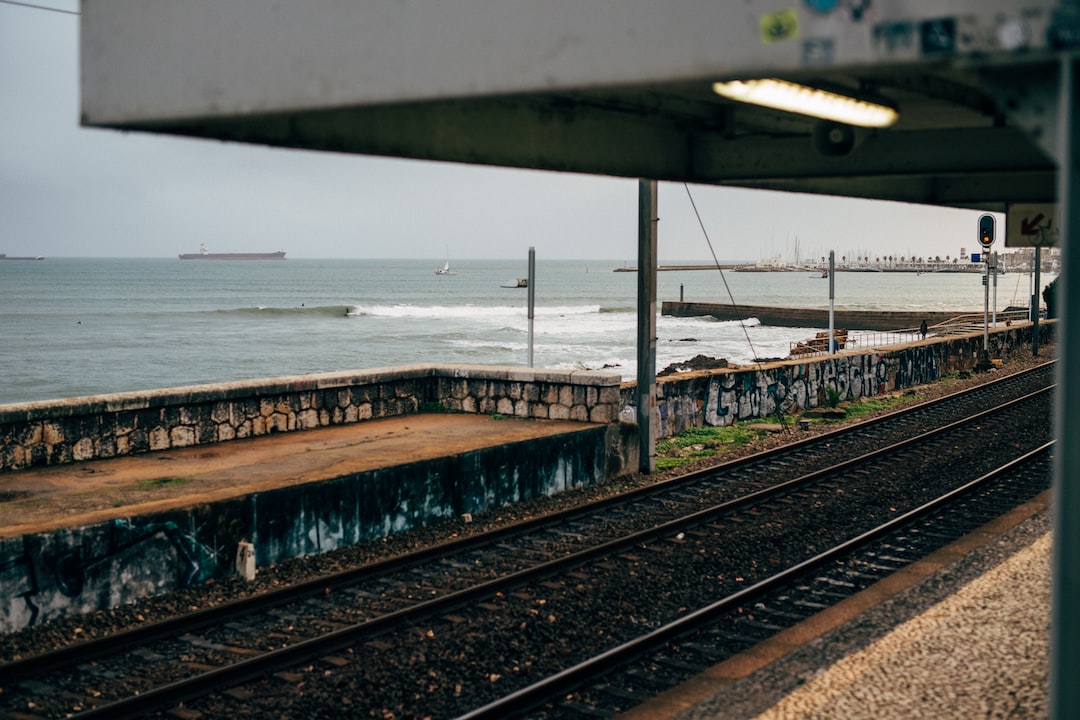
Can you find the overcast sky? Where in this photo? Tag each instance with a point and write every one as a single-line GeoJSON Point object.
{"type": "Point", "coordinates": [79, 192]}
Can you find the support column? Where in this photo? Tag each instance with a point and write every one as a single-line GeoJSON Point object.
{"type": "Point", "coordinates": [646, 325]}
{"type": "Point", "coordinates": [1065, 621]}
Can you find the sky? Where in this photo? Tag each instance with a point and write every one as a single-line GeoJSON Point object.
{"type": "Point", "coordinates": [68, 191]}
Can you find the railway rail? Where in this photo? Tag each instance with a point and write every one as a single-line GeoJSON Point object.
{"type": "Point", "coordinates": [541, 595]}
{"type": "Point", "coordinates": [627, 675]}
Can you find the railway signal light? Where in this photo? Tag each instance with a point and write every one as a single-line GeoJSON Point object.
{"type": "Point", "coordinates": [986, 230]}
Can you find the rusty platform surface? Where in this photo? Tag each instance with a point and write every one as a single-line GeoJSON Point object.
{"type": "Point", "coordinates": [49, 498]}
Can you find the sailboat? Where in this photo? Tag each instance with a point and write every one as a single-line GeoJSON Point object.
{"type": "Point", "coordinates": [445, 269]}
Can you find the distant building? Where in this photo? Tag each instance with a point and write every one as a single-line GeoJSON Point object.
{"type": "Point", "coordinates": [773, 263]}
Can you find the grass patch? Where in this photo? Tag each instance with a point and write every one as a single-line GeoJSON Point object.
{"type": "Point", "coordinates": [953, 378]}
{"type": "Point", "coordinates": [872, 405]}
{"type": "Point", "coordinates": [163, 482]}
{"type": "Point", "coordinates": [696, 443]}
{"type": "Point", "coordinates": [433, 407]}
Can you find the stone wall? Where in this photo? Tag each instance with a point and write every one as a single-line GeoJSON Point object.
{"type": "Point", "coordinates": [723, 397]}
{"type": "Point", "coordinates": [105, 426]}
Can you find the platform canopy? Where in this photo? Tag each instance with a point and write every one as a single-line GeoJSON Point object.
{"type": "Point", "coordinates": [612, 87]}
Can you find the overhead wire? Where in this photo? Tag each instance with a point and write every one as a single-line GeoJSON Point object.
{"type": "Point", "coordinates": [39, 7]}
{"type": "Point", "coordinates": [716, 261]}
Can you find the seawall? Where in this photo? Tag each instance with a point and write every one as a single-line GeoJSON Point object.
{"type": "Point", "coordinates": [117, 425]}
{"type": "Point", "coordinates": [724, 397]}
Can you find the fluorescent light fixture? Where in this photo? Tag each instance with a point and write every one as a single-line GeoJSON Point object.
{"type": "Point", "coordinates": [805, 100]}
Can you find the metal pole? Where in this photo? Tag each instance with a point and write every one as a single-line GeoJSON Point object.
{"type": "Point", "coordinates": [1035, 306]}
{"type": "Point", "coordinates": [986, 306]}
{"type": "Point", "coordinates": [1065, 622]}
{"type": "Point", "coordinates": [832, 298]}
{"type": "Point", "coordinates": [994, 305]}
{"type": "Point", "coordinates": [646, 325]}
{"type": "Point", "coordinates": [532, 299]}
{"type": "Point", "coordinates": [1031, 289]}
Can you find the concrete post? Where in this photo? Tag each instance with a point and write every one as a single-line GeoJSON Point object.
{"type": "Point", "coordinates": [646, 323]}
{"type": "Point", "coordinates": [1065, 623]}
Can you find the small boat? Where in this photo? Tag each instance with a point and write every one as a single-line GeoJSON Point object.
{"type": "Point", "coordinates": [519, 283]}
{"type": "Point", "coordinates": [444, 270]}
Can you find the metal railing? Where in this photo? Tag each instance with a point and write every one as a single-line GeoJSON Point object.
{"type": "Point", "coordinates": [869, 339]}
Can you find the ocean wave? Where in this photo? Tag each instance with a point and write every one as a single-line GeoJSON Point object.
{"type": "Point", "coordinates": [329, 310]}
{"type": "Point", "coordinates": [748, 322]}
{"type": "Point", "coordinates": [469, 312]}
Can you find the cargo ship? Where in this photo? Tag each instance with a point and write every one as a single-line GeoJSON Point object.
{"type": "Point", "coordinates": [5, 256]}
{"type": "Point", "coordinates": [205, 254]}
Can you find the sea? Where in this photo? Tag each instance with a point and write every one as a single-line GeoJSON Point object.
{"type": "Point", "coordinates": [73, 327]}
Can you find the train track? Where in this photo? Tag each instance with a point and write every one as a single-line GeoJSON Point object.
{"type": "Point", "coordinates": [625, 676]}
{"type": "Point", "coordinates": [336, 627]}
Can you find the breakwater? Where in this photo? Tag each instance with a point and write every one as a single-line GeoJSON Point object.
{"type": "Point", "coordinates": [667, 268]}
{"type": "Point", "coordinates": [808, 317]}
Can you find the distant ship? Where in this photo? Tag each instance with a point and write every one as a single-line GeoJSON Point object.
{"type": "Point", "coordinates": [205, 254]}
{"type": "Point", "coordinates": [5, 256]}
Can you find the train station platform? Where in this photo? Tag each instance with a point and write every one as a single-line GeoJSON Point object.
{"type": "Point", "coordinates": [87, 536]}
{"type": "Point", "coordinates": [64, 496]}
{"type": "Point", "coordinates": [964, 633]}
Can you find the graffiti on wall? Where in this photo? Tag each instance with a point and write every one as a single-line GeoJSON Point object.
{"type": "Point", "coordinates": [917, 366]}
{"type": "Point", "coordinates": [44, 576]}
{"type": "Point", "coordinates": [733, 397]}
{"type": "Point", "coordinates": [758, 392]}
{"type": "Point", "coordinates": [50, 575]}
